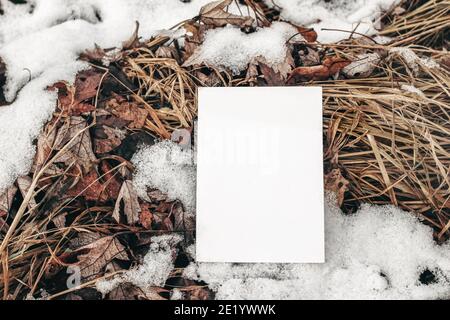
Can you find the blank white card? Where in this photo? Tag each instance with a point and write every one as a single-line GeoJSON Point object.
{"type": "Point", "coordinates": [260, 175]}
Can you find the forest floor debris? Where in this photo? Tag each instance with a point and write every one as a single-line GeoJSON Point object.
{"type": "Point", "coordinates": [96, 204]}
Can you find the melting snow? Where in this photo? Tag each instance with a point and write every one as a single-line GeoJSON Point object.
{"type": "Point", "coordinates": [230, 48]}
{"type": "Point", "coordinates": [359, 16]}
{"type": "Point", "coordinates": [154, 270]}
{"type": "Point", "coordinates": [377, 253]}
{"type": "Point", "coordinates": [168, 167]}
{"type": "Point", "coordinates": [41, 41]}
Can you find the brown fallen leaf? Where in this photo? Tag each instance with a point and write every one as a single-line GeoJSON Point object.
{"type": "Point", "coordinates": [146, 216]}
{"type": "Point", "coordinates": [94, 257]}
{"type": "Point", "coordinates": [131, 207]}
{"type": "Point", "coordinates": [95, 55]}
{"type": "Point", "coordinates": [308, 33]}
{"type": "Point", "coordinates": [330, 67]}
{"type": "Point", "coordinates": [127, 111]}
{"type": "Point", "coordinates": [91, 188]}
{"type": "Point", "coordinates": [335, 64]}
{"type": "Point", "coordinates": [68, 102]}
{"type": "Point", "coordinates": [111, 180]}
{"type": "Point", "coordinates": [194, 37]}
{"type": "Point", "coordinates": [335, 182]}
{"type": "Point", "coordinates": [86, 84]}
{"type": "Point", "coordinates": [214, 14]}
{"type": "Point", "coordinates": [107, 138]}
{"type": "Point", "coordinates": [80, 149]}
{"type": "Point", "coordinates": [310, 73]}
{"type": "Point", "coordinates": [271, 77]}
{"type": "Point", "coordinates": [88, 187]}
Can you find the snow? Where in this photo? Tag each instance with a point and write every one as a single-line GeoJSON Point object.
{"type": "Point", "coordinates": [21, 122]}
{"type": "Point", "coordinates": [360, 16]}
{"type": "Point", "coordinates": [413, 61]}
{"type": "Point", "coordinates": [154, 270]}
{"type": "Point", "coordinates": [412, 89]}
{"type": "Point", "coordinates": [168, 167]}
{"type": "Point", "coordinates": [41, 41]}
{"type": "Point", "coordinates": [377, 253]}
{"type": "Point", "coordinates": [232, 49]}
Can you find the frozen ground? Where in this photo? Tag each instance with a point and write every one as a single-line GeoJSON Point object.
{"type": "Point", "coordinates": [40, 42]}
{"type": "Point", "coordinates": [378, 253]}
{"type": "Point", "coordinates": [344, 16]}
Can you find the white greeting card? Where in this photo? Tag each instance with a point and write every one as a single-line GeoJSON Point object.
{"type": "Point", "coordinates": [260, 175]}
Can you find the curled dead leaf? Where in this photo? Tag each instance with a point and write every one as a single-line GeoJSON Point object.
{"type": "Point", "coordinates": [308, 33]}
{"type": "Point", "coordinates": [133, 41]}
{"type": "Point", "coordinates": [331, 66]}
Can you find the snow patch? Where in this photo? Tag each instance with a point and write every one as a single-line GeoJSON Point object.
{"type": "Point", "coordinates": [377, 253]}
{"type": "Point", "coordinates": [359, 16]}
{"type": "Point", "coordinates": [168, 167]}
{"type": "Point", "coordinates": [413, 89]}
{"type": "Point", "coordinates": [154, 270]}
{"type": "Point", "coordinates": [232, 49]}
{"type": "Point", "coordinates": [40, 41]}
{"type": "Point", "coordinates": [413, 60]}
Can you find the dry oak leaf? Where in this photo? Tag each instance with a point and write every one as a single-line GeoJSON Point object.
{"type": "Point", "coordinates": [214, 14]}
{"type": "Point", "coordinates": [91, 189]}
{"type": "Point", "coordinates": [127, 111]}
{"type": "Point", "coordinates": [131, 206]}
{"type": "Point", "coordinates": [92, 258]}
{"type": "Point", "coordinates": [111, 138]}
{"type": "Point", "coordinates": [80, 149]}
{"type": "Point", "coordinates": [88, 187]}
{"type": "Point", "coordinates": [67, 102]}
{"type": "Point", "coordinates": [86, 84]}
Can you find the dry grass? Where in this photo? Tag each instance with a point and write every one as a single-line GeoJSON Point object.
{"type": "Point", "coordinates": [393, 146]}
{"type": "Point", "coordinates": [163, 83]}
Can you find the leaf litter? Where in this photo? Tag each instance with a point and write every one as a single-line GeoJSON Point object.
{"type": "Point", "coordinates": [116, 199]}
